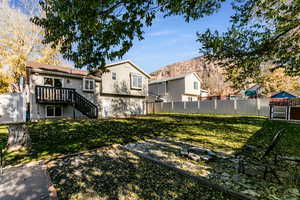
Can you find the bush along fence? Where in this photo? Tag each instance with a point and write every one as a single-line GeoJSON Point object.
{"type": "Point", "coordinates": [258, 107]}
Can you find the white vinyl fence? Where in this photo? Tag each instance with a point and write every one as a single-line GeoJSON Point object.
{"type": "Point", "coordinates": [12, 108]}
{"type": "Point", "coordinates": [258, 107]}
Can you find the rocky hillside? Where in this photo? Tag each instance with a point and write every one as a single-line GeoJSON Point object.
{"type": "Point", "coordinates": [211, 74]}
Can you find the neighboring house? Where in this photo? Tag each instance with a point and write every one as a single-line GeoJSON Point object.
{"type": "Point", "coordinates": [283, 94]}
{"type": "Point", "coordinates": [60, 92]}
{"type": "Point", "coordinates": [254, 91]}
{"type": "Point", "coordinates": [185, 87]}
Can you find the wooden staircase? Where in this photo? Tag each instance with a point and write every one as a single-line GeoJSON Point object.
{"type": "Point", "coordinates": [51, 95]}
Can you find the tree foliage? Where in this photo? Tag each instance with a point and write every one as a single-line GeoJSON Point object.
{"type": "Point", "coordinates": [21, 41]}
{"type": "Point", "coordinates": [278, 81]}
{"type": "Point", "coordinates": [263, 34]}
{"type": "Point", "coordinates": [95, 31]}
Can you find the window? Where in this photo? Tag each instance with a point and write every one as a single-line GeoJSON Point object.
{"type": "Point", "coordinates": [53, 82]}
{"type": "Point", "coordinates": [195, 85]}
{"type": "Point", "coordinates": [88, 84]}
{"type": "Point", "coordinates": [54, 111]}
{"type": "Point", "coordinates": [136, 81]}
{"type": "Point", "coordinates": [190, 98]}
{"type": "Point", "coordinates": [114, 76]}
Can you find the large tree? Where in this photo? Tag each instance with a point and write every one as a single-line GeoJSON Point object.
{"type": "Point", "coordinates": [92, 32]}
{"type": "Point", "coordinates": [21, 41]}
{"type": "Point", "coordinates": [264, 36]}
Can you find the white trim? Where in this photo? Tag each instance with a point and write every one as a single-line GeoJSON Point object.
{"type": "Point", "coordinates": [131, 63]}
{"type": "Point", "coordinates": [88, 79]}
{"type": "Point", "coordinates": [53, 77]}
{"type": "Point", "coordinates": [177, 77]}
{"type": "Point", "coordinates": [138, 75]}
{"type": "Point", "coordinates": [62, 111]}
{"type": "Point", "coordinates": [62, 74]}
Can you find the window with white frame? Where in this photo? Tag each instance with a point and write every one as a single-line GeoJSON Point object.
{"type": "Point", "coordinates": [53, 82]}
{"type": "Point", "coordinates": [54, 111]}
{"type": "Point", "coordinates": [114, 76]}
{"type": "Point", "coordinates": [195, 85]}
{"type": "Point", "coordinates": [136, 81]}
{"type": "Point", "coordinates": [88, 84]}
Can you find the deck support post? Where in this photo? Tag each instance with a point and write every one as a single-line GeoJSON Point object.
{"type": "Point", "coordinates": [74, 115]}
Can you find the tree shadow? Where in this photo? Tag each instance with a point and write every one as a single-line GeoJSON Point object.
{"type": "Point", "coordinates": [116, 174]}
{"type": "Point", "coordinates": [50, 138]}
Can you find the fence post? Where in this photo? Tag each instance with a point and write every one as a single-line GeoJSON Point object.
{"type": "Point", "coordinates": [184, 105]}
{"type": "Point", "coordinates": [161, 106]}
{"type": "Point", "coordinates": [215, 102]}
{"type": "Point", "coordinates": [258, 106]}
{"type": "Point", "coordinates": [235, 105]}
{"type": "Point", "coordinates": [172, 105]}
{"type": "Point", "coordinates": [198, 106]}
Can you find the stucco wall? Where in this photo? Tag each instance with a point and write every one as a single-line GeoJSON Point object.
{"type": "Point", "coordinates": [175, 89]}
{"type": "Point", "coordinates": [38, 110]}
{"type": "Point", "coordinates": [122, 84]}
{"type": "Point", "coordinates": [157, 89]}
{"type": "Point", "coordinates": [189, 84]}
{"type": "Point", "coordinates": [120, 106]}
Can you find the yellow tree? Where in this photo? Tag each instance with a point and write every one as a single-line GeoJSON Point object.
{"type": "Point", "coordinates": [21, 41]}
{"type": "Point", "coordinates": [279, 81]}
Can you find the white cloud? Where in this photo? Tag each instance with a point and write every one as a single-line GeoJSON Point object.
{"type": "Point", "coordinates": [161, 33]}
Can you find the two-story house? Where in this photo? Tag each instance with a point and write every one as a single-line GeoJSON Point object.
{"type": "Point", "coordinates": [185, 87]}
{"type": "Point", "coordinates": [62, 92]}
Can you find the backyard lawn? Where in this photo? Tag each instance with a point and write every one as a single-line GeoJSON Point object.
{"type": "Point", "coordinates": [227, 133]}
{"type": "Point", "coordinates": [109, 172]}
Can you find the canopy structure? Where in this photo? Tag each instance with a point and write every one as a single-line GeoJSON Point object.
{"type": "Point", "coordinates": [250, 93]}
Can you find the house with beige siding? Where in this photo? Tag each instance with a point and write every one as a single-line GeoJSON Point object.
{"type": "Point", "coordinates": [185, 87]}
{"type": "Point", "coordinates": [62, 92]}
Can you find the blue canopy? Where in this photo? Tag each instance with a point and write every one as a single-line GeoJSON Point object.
{"type": "Point", "coordinates": [250, 93]}
{"type": "Point", "coordinates": [283, 94]}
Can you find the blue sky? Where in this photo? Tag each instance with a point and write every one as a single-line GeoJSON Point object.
{"type": "Point", "coordinates": [171, 39]}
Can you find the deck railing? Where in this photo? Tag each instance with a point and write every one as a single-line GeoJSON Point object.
{"type": "Point", "coordinates": [52, 95]}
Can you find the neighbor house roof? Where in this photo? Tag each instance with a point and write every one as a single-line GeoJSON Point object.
{"type": "Point", "coordinates": [283, 94]}
{"type": "Point", "coordinates": [254, 87]}
{"type": "Point", "coordinates": [175, 78]}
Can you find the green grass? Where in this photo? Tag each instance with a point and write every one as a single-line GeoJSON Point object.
{"type": "Point", "coordinates": [228, 133]}
{"type": "Point", "coordinates": [3, 136]}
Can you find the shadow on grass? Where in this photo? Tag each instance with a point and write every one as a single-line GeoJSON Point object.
{"type": "Point", "coordinates": [287, 146]}
{"type": "Point", "coordinates": [123, 176]}
{"type": "Point", "coordinates": [219, 132]}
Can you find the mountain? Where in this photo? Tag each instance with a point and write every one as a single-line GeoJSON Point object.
{"type": "Point", "coordinates": [211, 74]}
